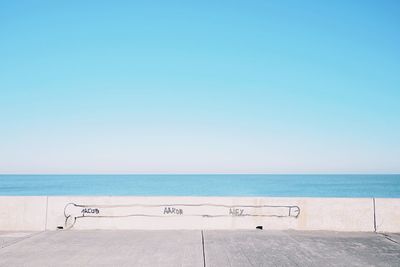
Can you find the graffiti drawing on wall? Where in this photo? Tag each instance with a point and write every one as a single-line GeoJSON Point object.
{"type": "Point", "coordinates": [74, 212]}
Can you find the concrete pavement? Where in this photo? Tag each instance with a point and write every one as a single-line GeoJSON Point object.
{"type": "Point", "coordinates": [198, 248]}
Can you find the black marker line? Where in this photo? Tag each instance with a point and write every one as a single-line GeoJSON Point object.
{"type": "Point", "coordinates": [171, 216]}
{"type": "Point", "coordinates": [184, 205]}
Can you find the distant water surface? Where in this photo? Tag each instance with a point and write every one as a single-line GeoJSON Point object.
{"type": "Point", "coordinates": [387, 186]}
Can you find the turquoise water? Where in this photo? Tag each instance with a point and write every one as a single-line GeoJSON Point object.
{"type": "Point", "coordinates": [203, 185]}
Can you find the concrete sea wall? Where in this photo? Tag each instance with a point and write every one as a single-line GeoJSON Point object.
{"type": "Point", "coordinates": [76, 213]}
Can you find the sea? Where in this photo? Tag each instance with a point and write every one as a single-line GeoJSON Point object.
{"type": "Point", "coordinates": [265, 185]}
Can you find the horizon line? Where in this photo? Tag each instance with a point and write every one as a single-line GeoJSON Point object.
{"type": "Point", "coordinates": [232, 173]}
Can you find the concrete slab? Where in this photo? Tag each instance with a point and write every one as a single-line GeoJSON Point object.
{"type": "Point", "coordinates": [106, 248]}
{"type": "Point", "coordinates": [292, 248]}
{"type": "Point", "coordinates": [185, 248]}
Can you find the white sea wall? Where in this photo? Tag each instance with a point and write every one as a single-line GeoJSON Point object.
{"type": "Point", "coordinates": [112, 212]}
{"type": "Point", "coordinates": [387, 214]}
{"type": "Point", "coordinates": [23, 213]}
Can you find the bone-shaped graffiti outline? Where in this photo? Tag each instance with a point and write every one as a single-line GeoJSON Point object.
{"type": "Point", "coordinates": [73, 212]}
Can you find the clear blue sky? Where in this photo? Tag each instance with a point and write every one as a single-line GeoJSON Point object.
{"type": "Point", "coordinates": [199, 86]}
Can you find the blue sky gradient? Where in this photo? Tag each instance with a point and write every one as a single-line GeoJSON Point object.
{"type": "Point", "coordinates": [199, 87]}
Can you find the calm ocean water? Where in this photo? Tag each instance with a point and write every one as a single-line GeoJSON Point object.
{"type": "Point", "coordinates": [203, 185]}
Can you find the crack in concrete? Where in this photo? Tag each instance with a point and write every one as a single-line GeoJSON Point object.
{"type": "Point", "coordinates": [204, 253]}
{"type": "Point", "coordinates": [21, 239]}
{"type": "Point", "coordinates": [388, 238]}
